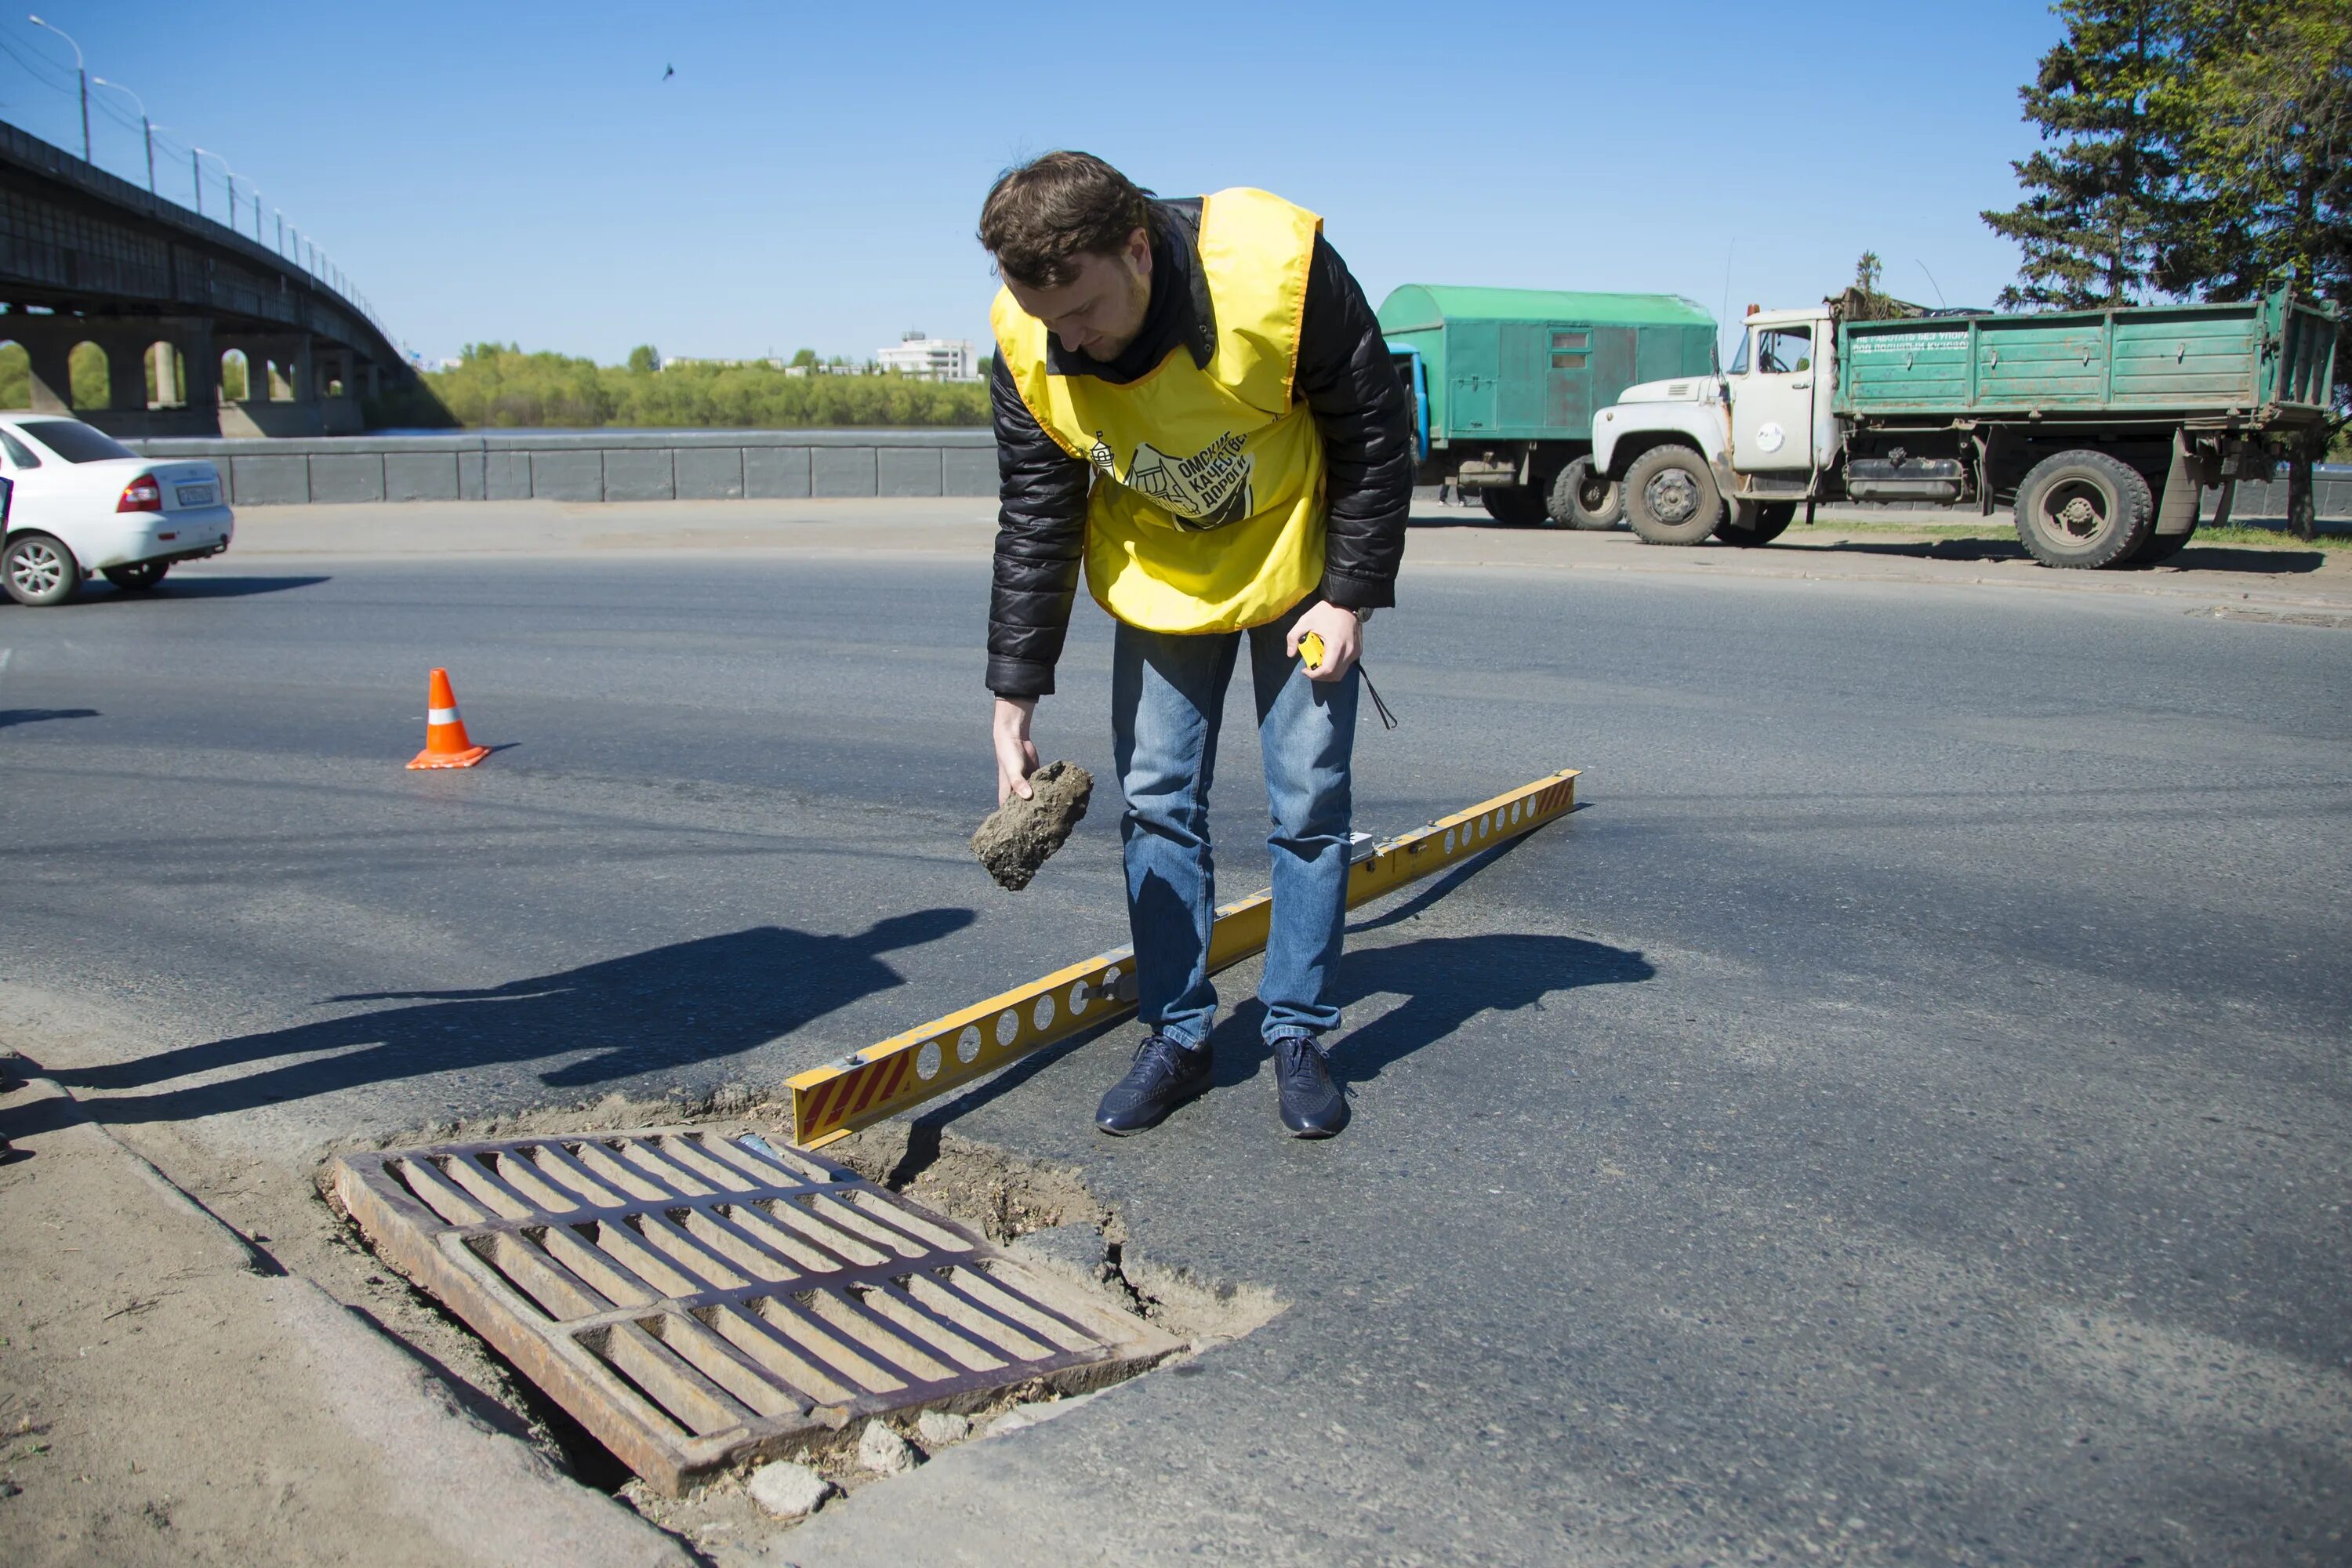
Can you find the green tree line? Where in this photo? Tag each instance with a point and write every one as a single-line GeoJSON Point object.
{"type": "Point", "coordinates": [500, 387]}
{"type": "Point", "coordinates": [2193, 149]}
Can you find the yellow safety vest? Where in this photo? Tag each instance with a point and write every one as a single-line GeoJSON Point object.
{"type": "Point", "coordinates": [1207, 512]}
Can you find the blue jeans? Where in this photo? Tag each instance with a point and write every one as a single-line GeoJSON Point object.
{"type": "Point", "coordinates": [1168, 699]}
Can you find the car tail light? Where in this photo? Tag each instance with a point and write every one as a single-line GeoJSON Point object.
{"type": "Point", "coordinates": [142, 494]}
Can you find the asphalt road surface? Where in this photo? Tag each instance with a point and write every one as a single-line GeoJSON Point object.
{"type": "Point", "coordinates": [1901, 1116]}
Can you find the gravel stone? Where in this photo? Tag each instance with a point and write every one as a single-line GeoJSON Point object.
{"type": "Point", "coordinates": [788, 1490]}
{"type": "Point", "coordinates": [883, 1451]}
{"type": "Point", "coordinates": [937, 1428]}
{"type": "Point", "coordinates": [1022, 834]}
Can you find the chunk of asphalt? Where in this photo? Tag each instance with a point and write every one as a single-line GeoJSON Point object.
{"type": "Point", "coordinates": [937, 1428]}
{"type": "Point", "coordinates": [788, 1490]}
{"type": "Point", "coordinates": [1022, 834]}
{"type": "Point", "coordinates": [883, 1451]}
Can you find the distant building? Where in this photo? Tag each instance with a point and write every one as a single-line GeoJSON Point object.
{"type": "Point", "coordinates": [931, 359]}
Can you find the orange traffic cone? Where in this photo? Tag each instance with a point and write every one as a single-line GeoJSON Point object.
{"type": "Point", "coordinates": [445, 743]}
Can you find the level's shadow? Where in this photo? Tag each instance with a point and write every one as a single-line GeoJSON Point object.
{"type": "Point", "coordinates": [14, 716]}
{"type": "Point", "coordinates": [666, 1008]}
{"type": "Point", "coordinates": [194, 587]}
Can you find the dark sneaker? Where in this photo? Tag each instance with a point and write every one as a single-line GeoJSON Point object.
{"type": "Point", "coordinates": [1165, 1074]}
{"type": "Point", "coordinates": [1312, 1105]}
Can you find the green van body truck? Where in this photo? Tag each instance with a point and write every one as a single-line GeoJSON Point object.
{"type": "Point", "coordinates": [1505, 382]}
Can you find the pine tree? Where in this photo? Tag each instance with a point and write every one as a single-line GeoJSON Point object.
{"type": "Point", "coordinates": [2100, 203]}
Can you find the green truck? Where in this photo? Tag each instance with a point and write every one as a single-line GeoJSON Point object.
{"type": "Point", "coordinates": [2102, 429]}
{"type": "Point", "coordinates": [1504, 384]}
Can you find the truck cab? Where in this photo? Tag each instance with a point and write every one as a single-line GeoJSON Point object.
{"type": "Point", "coordinates": [1729, 453]}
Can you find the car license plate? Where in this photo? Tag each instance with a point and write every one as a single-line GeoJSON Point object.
{"type": "Point", "coordinates": [195, 495]}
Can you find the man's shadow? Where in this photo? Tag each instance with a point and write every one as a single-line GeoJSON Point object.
{"type": "Point", "coordinates": [1447, 981]}
{"type": "Point", "coordinates": [668, 1007]}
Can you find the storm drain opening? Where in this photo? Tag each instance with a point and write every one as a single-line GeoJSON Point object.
{"type": "Point", "coordinates": [699, 1300]}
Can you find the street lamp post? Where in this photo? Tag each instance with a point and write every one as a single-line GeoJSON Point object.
{"type": "Point", "coordinates": [228, 172]}
{"type": "Point", "coordinates": [80, 73]}
{"type": "Point", "coordinates": [146, 129]}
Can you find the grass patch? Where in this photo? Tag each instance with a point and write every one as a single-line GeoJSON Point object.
{"type": "Point", "coordinates": [2331, 534]}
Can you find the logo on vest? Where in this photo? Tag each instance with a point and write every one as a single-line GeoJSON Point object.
{"type": "Point", "coordinates": [1206, 490]}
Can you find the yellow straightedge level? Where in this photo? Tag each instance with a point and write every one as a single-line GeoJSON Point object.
{"type": "Point", "coordinates": [836, 1100]}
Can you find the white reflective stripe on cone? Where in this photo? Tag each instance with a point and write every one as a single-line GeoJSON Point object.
{"type": "Point", "coordinates": [441, 716]}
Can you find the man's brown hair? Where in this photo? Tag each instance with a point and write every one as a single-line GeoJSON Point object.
{"type": "Point", "coordinates": [1042, 216]}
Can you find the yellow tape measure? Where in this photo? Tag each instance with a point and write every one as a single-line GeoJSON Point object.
{"type": "Point", "coordinates": [1310, 650]}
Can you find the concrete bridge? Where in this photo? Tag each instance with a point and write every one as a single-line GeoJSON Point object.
{"type": "Point", "coordinates": [167, 297]}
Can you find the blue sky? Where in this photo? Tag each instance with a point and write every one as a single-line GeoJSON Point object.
{"type": "Point", "coordinates": [811, 174]}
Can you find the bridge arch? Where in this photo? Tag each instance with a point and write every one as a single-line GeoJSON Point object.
{"type": "Point", "coordinates": [236, 377]}
{"type": "Point", "coordinates": [16, 375]}
{"type": "Point", "coordinates": [90, 371]}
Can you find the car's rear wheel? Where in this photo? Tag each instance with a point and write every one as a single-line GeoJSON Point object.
{"type": "Point", "coordinates": [39, 570]}
{"type": "Point", "coordinates": [137, 579]}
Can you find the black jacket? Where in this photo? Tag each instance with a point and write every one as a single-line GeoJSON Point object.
{"type": "Point", "coordinates": [1343, 374]}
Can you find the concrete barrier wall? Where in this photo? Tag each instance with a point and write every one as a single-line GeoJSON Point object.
{"type": "Point", "coordinates": [603, 466]}
{"type": "Point", "coordinates": [2331, 496]}
{"type": "Point", "coordinates": [722, 465]}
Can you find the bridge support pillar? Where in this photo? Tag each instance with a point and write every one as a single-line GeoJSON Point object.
{"type": "Point", "coordinates": [200, 359]}
{"type": "Point", "coordinates": [49, 353]}
{"type": "Point", "coordinates": [126, 370]}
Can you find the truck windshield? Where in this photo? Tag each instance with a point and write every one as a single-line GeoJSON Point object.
{"type": "Point", "coordinates": [1740, 360]}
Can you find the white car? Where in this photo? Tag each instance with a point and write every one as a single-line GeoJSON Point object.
{"type": "Point", "coordinates": [84, 503]}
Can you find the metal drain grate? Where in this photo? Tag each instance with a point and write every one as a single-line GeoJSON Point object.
{"type": "Point", "coordinates": [695, 1298]}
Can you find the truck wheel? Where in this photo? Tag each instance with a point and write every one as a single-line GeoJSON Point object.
{"type": "Point", "coordinates": [39, 570]}
{"type": "Point", "coordinates": [1518, 505]}
{"type": "Point", "coordinates": [1583, 497]}
{"type": "Point", "coordinates": [2083, 509]}
{"type": "Point", "coordinates": [1670, 496]}
{"type": "Point", "coordinates": [137, 579]}
{"type": "Point", "coordinates": [1756, 522]}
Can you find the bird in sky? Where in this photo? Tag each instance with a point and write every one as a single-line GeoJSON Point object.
{"type": "Point", "coordinates": [668, 71]}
